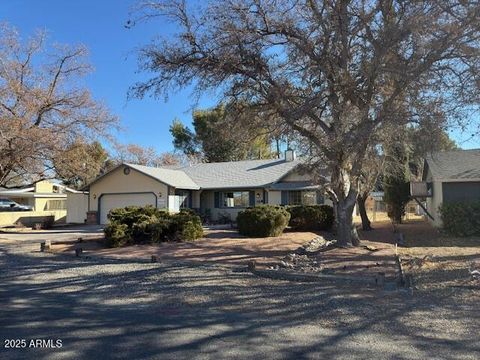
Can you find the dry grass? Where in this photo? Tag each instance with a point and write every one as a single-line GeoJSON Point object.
{"type": "Point", "coordinates": [438, 261]}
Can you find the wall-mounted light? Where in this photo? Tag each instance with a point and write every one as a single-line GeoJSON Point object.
{"type": "Point", "coordinates": [258, 195]}
{"type": "Point", "coordinates": [159, 194]}
{"type": "Point", "coordinates": [94, 196]}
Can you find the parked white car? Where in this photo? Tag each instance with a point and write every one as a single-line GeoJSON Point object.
{"type": "Point", "coordinates": [10, 205]}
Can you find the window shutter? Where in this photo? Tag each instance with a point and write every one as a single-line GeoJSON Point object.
{"type": "Point", "coordinates": [320, 199]}
{"type": "Point", "coordinates": [252, 198]}
{"type": "Point", "coordinates": [217, 200]}
{"type": "Point", "coordinates": [265, 197]}
{"type": "Point", "coordinates": [284, 198]}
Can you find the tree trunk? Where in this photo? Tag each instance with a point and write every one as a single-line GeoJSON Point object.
{"type": "Point", "coordinates": [366, 225]}
{"type": "Point", "coordinates": [346, 231]}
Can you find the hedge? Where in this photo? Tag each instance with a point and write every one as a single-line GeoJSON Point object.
{"type": "Point", "coordinates": [461, 218]}
{"type": "Point", "coordinates": [263, 221]}
{"type": "Point", "coordinates": [311, 217]}
{"type": "Point", "coordinates": [134, 224]}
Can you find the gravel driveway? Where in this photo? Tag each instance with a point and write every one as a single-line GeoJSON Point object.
{"type": "Point", "coordinates": [125, 310]}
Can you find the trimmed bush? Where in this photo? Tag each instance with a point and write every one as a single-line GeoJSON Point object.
{"type": "Point", "coordinates": [116, 234]}
{"type": "Point", "coordinates": [461, 219]}
{"type": "Point", "coordinates": [134, 224]}
{"type": "Point", "coordinates": [263, 221]}
{"type": "Point", "coordinates": [311, 217]}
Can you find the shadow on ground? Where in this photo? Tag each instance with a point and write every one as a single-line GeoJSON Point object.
{"type": "Point", "coordinates": [117, 309]}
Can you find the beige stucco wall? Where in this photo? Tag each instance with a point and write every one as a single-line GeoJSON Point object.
{"type": "Point", "coordinates": [275, 197]}
{"type": "Point", "coordinates": [117, 182]}
{"type": "Point", "coordinates": [44, 186]}
{"type": "Point", "coordinates": [28, 218]}
{"type": "Point", "coordinates": [77, 206]}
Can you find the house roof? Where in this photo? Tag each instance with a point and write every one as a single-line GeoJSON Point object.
{"type": "Point", "coordinates": [220, 175]}
{"type": "Point", "coordinates": [239, 174]}
{"type": "Point", "coordinates": [454, 165]}
{"type": "Point", "coordinates": [294, 185]}
{"type": "Point", "coordinates": [175, 178]}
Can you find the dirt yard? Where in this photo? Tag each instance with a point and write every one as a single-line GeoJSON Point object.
{"type": "Point", "coordinates": [222, 246]}
{"type": "Point", "coordinates": [438, 261]}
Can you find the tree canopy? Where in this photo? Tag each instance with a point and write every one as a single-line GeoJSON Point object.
{"type": "Point", "coordinates": [215, 138]}
{"type": "Point", "coordinates": [336, 72]}
{"type": "Point", "coordinates": [44, 110]}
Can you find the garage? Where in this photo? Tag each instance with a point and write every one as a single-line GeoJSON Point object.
{"type": "Point", "coordinates": [108, 202]}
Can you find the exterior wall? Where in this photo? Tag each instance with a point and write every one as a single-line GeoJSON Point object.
{"type": "Point", "coordinates": [275, 197]}
{"type": "Point", "coordinates": [434, 202]}
{"type": "Point", "coordinates": [77, 206]}
{"type": "Point", "coordinates": [28, 218]}
{"type": "Point", "coordinates": [208, 202]}
{"type": "Point", "coordinates": [196, 199]}
{"type": "Point", "coordinates": [134, 182]}
{"type": "Point", "coordinates": [43, 187]}
{"type": "Point", "coordinates": [461, 191]}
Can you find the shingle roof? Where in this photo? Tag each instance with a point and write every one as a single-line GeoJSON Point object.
{"type": "Point", "coordinates": [294, 185]}
{"type": "Point", "coordinates": [176, 178]}
{"type": "Point", "coordinates": [455, 165]}
{"type": "Point", "coordinates": [239, 174]}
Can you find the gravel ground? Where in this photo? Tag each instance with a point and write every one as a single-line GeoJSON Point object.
{"type": "Point", "coordinates": [126, 310]}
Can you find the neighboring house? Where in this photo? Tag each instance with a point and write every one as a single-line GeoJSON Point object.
{"type": "Point", "coordinates": [42, 196]}
{"type": "Point", "coordinates": [221, 189]}
{"type": "Point", "coordinates": [47, 199]}
{"type": "Point", "coordinates": [451, 176]}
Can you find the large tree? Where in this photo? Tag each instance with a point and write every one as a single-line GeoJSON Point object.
{"type": "Point", "coordinates": [44, 108]}
{"type": "Point", "coordinates": [217, 138]}
{"type": "Point", "coordinates": [337, 72]}
{"type": "Point", "coordinates": [80, 163]}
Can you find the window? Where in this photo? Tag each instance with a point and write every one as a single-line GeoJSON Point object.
{"type": "Point", "coordinates": [56, 205]}
{"type": "Point", "coordinates": [302, 197]}
{"type": "Point", "coordinates": [236, 199]}
{"type": "Point", "coordinates": [294, 198]}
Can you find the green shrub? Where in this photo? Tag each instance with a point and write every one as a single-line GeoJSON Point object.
{"type": "Point", "coordinates": [134, 224]}
{"type": "Point", "coordinates": [117, 234]}
{"type": "Point", "coordinates": [192, 230]}
{"type": "Point", "coordinates": [462, 218]}
{"type": "Point", "coordinates": [183, 220]}
{"type": "Point", "coordinates": [263, 221]}
{"type": "Point", "coordinates": [311, 217]}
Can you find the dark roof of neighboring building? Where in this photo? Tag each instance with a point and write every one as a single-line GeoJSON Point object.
{"type": "Point", "coordinates": [454, 165]}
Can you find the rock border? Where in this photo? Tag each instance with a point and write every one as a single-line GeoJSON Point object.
{"type": "Point", "coordinates": [378, 280]}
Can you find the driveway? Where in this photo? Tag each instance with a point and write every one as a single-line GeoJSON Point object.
{"type": "Point", "coordinates": [123, 310]}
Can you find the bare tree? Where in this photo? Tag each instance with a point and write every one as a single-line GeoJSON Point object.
{"type": "Point", "coordinates": [43, 108]}
{"type": "Point", "coordinates": [336, 72]}
{"type": "Point", "coordinates": [147, 156]}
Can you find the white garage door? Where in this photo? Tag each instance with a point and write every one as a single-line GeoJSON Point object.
{"type": "Point", "coordinates": [114, 201]}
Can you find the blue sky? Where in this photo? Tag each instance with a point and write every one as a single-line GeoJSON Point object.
{"type": "Point", "coordinates": [99, 24]}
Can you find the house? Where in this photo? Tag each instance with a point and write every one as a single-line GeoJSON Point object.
{"type": "Point", "coordinates": [43, 195]}
{"type": "Point", "coordinates": [221, 189]}
{"type": "Point", "coordinates": [47, 199]}
{"type": "Point", "coordinates": [450, 176]}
